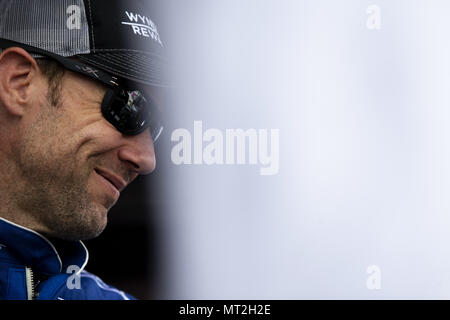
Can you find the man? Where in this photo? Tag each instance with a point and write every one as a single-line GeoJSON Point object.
{"type": "Point", "coordinates": [77, 124]}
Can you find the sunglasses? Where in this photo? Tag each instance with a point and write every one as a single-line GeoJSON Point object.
{"type": "Point", "coordinates": [128, 110]}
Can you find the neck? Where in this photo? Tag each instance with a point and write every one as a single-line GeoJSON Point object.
{"type": "Point", "coordinates": [12, 188]}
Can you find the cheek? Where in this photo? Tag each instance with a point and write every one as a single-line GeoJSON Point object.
{"type": "Point", "coordinates": [90, 134]}
{"type": "Point", "coordinates": [86, 138]}
{"type": "Point", "coordinates": [95, 150]}
{"type": "Point", "coordinates": [71, 137]}
{"type": "Point", "coordinates": [97, 139]}
{"type": "Point", "coordinates": [51, 146]}
{"type": "Point", "coordinates": [82, 125]}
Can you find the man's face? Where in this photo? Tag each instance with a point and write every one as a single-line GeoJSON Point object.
{"type": "Point", "coordinates": [72, 164]}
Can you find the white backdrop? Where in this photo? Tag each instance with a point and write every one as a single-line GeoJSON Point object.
{"type": "Point", "coordinates": [364, 150]}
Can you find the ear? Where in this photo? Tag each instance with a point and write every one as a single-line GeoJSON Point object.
{"type": "Point", "coordinates": [18, 70]}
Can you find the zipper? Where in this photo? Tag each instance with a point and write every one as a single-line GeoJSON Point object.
{"type": "Point", "coordinates": [29, 276]}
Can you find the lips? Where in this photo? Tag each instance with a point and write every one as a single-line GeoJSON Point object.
{"type": "Point", "coordinates": [116, 181]}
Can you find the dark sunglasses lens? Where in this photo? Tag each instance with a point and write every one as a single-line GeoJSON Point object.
{"type": "Point", "coordinates": [130, 112]}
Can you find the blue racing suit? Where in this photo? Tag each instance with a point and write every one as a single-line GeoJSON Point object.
{"type": "Point", "coordinates": [34, 268]}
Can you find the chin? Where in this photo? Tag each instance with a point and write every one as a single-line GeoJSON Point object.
{"type": "Point", "coordinates": [87, 225]}
{"type": "Point", "coordinates": [98, 221]}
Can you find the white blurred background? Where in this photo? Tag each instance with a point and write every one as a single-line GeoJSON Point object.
{"type": "Point", "coordinates": [364, 172]}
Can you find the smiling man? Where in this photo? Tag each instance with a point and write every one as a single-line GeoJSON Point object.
{"type": "Point", "coordinates": [78, 123]}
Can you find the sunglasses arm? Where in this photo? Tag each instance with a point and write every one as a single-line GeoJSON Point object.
{"type": "Point", "coordinates": [72, 65]}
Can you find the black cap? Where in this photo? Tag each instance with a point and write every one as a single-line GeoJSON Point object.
{"type": "Point", "coordinates": [117, 36]}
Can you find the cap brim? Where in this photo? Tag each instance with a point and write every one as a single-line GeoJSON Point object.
{"type": "Point", "coordinates": [132, 65]}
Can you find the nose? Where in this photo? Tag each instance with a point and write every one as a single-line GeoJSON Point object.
{"type": "Point", "coordinates": [138, 152]}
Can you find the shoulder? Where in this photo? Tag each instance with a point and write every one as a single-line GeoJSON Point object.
{"type": "Point", "coordinates": [90, 287]}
